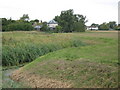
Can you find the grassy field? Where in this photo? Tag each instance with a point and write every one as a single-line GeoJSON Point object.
{"type": "Point", "coordinates": [77, 60]}
{"type": "Point", "coordinates": [21, 47]}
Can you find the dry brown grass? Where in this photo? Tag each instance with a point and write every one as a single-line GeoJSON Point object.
{"type": "Point", "coordinates": [81, 70]}
{"type": "Point", "coordinates": [105, 31]}
{"type": "Point", "coordinates": [36, 81]}
{"type": "Point", "coordinates": [98, 34]}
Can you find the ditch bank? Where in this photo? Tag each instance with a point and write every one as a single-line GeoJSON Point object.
{"type": "Point", "coordinates": [7, 82]}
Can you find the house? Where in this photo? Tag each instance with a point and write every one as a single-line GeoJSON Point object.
{"type": "Point", "coordinates": [37, 27]}
{"type": "Point", "coordinates": [52, 24]}
{"type": "Point", "coordinates": [92, 27]}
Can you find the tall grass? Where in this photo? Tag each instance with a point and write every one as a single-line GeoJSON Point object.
{"type": "Point", "coordinates": [16, 50]}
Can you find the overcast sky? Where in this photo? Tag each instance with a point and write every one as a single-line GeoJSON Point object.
{"type": "Point", "coordinates": [96, 11]}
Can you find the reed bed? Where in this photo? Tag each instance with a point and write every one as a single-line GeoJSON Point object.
{"type": "Point", "coordinates": [21, 47]}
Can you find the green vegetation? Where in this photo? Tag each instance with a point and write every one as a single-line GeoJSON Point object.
{"type": "Point", "coordinates": [80, 66]}
{"type": "Point", "coordinates": [67, 22]}
{"type": "Point", "coordinates": [112, 25]}
{"type": "Point", "coordinates": [17, 25]}
{"type": "Point", "coordinates": [8, 83]}
{"type": "Point", "coordinates": [0, 77]}
{"type": "Point", "coordinates": [21, 47]}
{"type": "Point", "coordinates": [104, 26]}
{"type": "Point", "coordinates": [71, 22]}
{"type": "Point", "coordinates": [108, 26]}
{"type": "Point", "coordinates": [92, 66]}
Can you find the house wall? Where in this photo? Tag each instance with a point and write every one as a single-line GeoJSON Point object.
{"type": "Point", "coordinates": [52, 25]}
{"type": "Point", "coordinates": [92, 28]}
{"type": "Point", "coordinates": [95, 28]}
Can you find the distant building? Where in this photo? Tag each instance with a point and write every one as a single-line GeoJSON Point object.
{"type": "Point", "coordinates": [52, 24]}
{"type": "Point", "coordinates": [92, 27]}
{"type": "Point", "coordinates": [37, 27]}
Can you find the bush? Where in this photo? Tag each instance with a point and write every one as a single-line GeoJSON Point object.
{"type": "Point", "coordinates": [58, 29]}
{"type": "Point", "coordinates": [19, 26]}
{"type": "Point", "coordinates": [44, 27]}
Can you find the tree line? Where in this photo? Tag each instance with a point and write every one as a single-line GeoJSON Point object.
{"type": "Point", "coordinates": [67, 22]}
{"type": "Point", "coordinates": [15, 25]}
{"type": "Point", "coordinates": [112, 25]}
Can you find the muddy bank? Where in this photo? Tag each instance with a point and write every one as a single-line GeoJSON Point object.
{"type": "Point", "coordinates": [7, 82]}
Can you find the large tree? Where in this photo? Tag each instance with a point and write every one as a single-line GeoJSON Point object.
{"type": "Point", "coordinates": [25, 17]}
{"type": "Point", "coordinates": [112, 25]}
{"type": "Point", "coordinates": [71, 22]}
{"type": "Point", "coordinates": [104, 26]}
{"type": "Point", "coordinates": [94, 25]}
{"type": "Point", "coordinates": [79, 23]}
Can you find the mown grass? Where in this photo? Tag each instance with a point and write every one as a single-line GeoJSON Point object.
{"type": "Point", "coordinates": [92, 66]}
{"type": "Point", "coordinates": [81, 66]}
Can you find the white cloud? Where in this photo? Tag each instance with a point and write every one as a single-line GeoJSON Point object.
{"type": "Point", "coordinates": [97, 11]}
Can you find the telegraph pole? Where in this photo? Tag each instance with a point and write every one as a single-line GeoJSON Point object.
{"type": "Point", "coordinates": [119, 13]}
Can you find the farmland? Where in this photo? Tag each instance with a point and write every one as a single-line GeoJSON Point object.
{"type": "Point", "coordinates": [55, 60]}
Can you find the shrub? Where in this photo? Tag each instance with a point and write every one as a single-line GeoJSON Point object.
{"type": "Point", "coordinates": [19, 26]}
{"type": "Point", "coordinates": [58, 29]}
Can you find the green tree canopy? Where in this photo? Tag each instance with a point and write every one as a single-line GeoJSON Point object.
{"type": "Point", "coordinates": [25, 17]}
{"type": "Point", "coordinates": [108, 26]}
{"type": "Point", "coordinates": [104, 26]}
{"type": "Point", "coordinates": [15, 25]}
{"type": "Point", "coordinates": [71, 22]}
{"type": "Point", "coordinates": [112, 25]}
{"type": "Point", "coordinates": [94, 25]}
{"type": "Point", "coordinates": [44, 27]}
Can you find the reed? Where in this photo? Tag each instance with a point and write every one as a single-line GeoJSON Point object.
{"type": "Point", "coordinates": [18, 49]}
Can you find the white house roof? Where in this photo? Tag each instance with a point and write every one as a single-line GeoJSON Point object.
{"type": "Point", "coordinates": [52, 22]}
{"type": "Point", "coordinates": [38, 26]}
